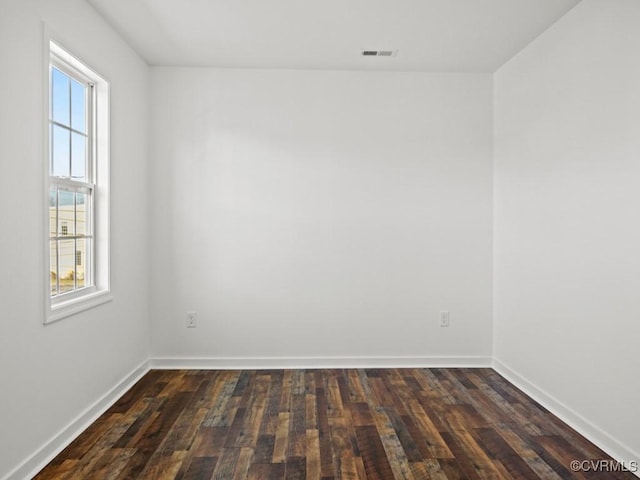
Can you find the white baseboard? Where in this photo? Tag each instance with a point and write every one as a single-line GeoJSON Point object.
{"type": "Point", "coordinates": [38, 460]}
{"type": "Point", "coordinates": [258, 363]}
{"type": "Point", "coordinates": [594, 434]}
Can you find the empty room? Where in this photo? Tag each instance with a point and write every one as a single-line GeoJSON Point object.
{"type": "Point", "coordinates": [348, 239]}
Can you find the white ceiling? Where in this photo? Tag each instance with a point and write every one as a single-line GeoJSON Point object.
{"type": "Point", "coordinates": [430, 35]}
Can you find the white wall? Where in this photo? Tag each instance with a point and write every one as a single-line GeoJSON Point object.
{"type": "Point", "coordinates": [50, 374]}
{"type": "Point", "coordinates": [567, 200]}
{"type": "Point", "coordinates": [320, 214]}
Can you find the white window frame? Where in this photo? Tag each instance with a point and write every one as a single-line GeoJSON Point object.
{"type": "Point", "coordinates": [96, 260]}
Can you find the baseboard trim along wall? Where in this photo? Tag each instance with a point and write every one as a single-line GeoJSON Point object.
{"type": "Point", "coordinates": [576, 421]}
{"type": "Point", "coordinates": [259, 363]}
{"type": "Point", "coordinates": [38, 460]}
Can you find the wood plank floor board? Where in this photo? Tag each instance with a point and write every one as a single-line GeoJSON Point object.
{"type": "Point", "coordinates": [498, 449]}
{"type": "Point", "coordinates": [295, 468]}
{"type": "Point", "coordinates": [326, 424]}
{"type": "Point", "coordinates": [198, 468]}
{"type": "Point", "coordinates": [376, 463]}
{"type": "Point", "coordinates": [261, 471]}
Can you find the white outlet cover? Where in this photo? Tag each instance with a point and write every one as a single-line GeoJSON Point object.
{"type": "Point", "coordinates": [191, 320]}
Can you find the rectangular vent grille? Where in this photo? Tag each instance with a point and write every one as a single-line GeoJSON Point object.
{"type": "Point", "coordinates": [379, 53]}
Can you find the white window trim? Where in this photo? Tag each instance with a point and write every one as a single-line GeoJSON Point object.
{"type": "Point", "coordinates": [100, 293]}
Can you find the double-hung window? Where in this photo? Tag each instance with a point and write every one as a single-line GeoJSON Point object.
{"type": "Point", "coordinates": [77, 187]}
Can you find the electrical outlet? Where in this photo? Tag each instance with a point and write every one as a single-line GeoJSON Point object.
{"type": "Point", "coordinates": [191, 320]}
{"type": "Point", "coordinates": [444, 318]}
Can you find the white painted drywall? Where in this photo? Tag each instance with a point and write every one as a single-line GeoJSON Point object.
{"type": "Point", "coordinates": [567, 203]}
{"type": "Point", "coordinates": [50, 374]}
{"type": "Point", "coordinates": [320, 213]}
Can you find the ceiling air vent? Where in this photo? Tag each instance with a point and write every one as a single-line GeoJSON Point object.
{"type": "Point", "coordinates": [379, 53]}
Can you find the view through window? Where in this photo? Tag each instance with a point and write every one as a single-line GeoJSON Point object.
{"type": "Point", "coordinates": [71, 184]}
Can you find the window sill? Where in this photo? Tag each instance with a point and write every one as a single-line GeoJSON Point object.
{"type": "Point", "coordinates": [77, 305]}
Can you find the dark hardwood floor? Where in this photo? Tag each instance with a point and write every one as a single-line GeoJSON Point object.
{"type": "Point", "coordinates": [326, 424]}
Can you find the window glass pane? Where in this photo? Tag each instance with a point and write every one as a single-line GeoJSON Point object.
{"type": "Point", "coordinates": [66, 265]}
{"type": "Point", "coordinates": [60, 154]}
{"type": "Point", "coordinates": [59, 97]}
{"type": "Point", "coordinates": [82, 250]}
{"type": "Point", "coordinates": [78, 156]}
{"type": "Point", "coordinates": [78, 106]}
{"type": "Point", "coordinates": [81, 214]}
{"type": "Point", "coordinates": [66, 213]}
{"type": "Point", "coordinates": [53, 203]}
{"type": "Point", "coordinates": [53, 269]}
